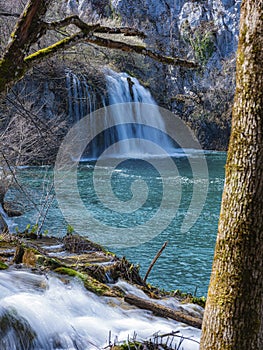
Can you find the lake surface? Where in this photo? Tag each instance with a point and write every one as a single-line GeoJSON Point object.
{"type": "Point", "coordinates": [186, 262]}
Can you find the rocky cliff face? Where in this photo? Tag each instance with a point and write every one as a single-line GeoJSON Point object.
{"type": "Point", "coordinates": [167, 21]}
{"type": "Point", "coordinates": [171, 23]}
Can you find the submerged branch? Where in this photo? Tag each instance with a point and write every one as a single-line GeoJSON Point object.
{"type": "Point", "coordinates": [154, 260]}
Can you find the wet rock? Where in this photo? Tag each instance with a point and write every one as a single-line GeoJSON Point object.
{"type": "Point", "coordinates": [14, 327]}
{"type": "Point", "coordinates": [12, 210]}
{"type": "Point", "coordinates": [3, 225]}
{"type": "Point", "coordinates": [18, 256]}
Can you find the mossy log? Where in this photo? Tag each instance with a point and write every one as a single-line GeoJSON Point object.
{"type": "Point", "coordinates": [45, 253]}
{"type": "Point", "coordinates": [89, 282]}
{"type": "Point", "coordinates": [163, 311]}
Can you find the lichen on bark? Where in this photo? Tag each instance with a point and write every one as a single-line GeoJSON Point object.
{"type": "Point", "coordinates": [233, 317]}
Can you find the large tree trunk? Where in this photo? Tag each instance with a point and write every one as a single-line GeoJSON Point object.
{"type": "Point", "coordinates": [234, 311]}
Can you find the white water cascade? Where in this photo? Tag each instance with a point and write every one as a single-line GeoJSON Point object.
{"type": "Point", "coordinates": [124, 89]}
{"type": "Point", "coordinates": [43, 313]}
{"type": "Point", "coordinates": [121, 89]}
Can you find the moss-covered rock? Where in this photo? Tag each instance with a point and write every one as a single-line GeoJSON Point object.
{"type": "Point", "coordinates": [3, 266]}
{"type": "Point", "coordinates": [90, 283]}
{"type": "Point", "coordinates": [47, 262]}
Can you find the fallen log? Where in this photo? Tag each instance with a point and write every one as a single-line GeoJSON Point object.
{"type": "Point", "coordinates": [163, 311]}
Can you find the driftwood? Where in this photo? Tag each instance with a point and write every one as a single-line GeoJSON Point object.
{"type": "Point", "coordinates": [163, 311]}
{"type": "Point", "coordinates": [154, 260]}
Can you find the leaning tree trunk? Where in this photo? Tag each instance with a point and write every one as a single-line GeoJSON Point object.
{"type": "Point", "coordinates": [234, 311]}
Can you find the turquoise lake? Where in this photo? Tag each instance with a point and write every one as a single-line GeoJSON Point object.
{"type": "Point", "coordinates": [186, 262]}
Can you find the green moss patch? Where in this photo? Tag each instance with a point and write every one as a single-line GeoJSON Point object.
{"type": "Point", "coordinates": [3, 266]}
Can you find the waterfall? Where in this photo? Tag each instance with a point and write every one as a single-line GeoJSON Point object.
{"type": "Point", "coordinates": [124, 89]}
{"type": "Point", "coordinates": [37, 312]}
{"type": "Point", "coordinates": [121, 89]}
{"type": "Point", "coordinates": [81, 96]}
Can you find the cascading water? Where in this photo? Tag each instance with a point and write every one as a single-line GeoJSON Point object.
{"type": "Point", "coordinates": [124, 89]}
{"type": "Point", "coordinates": [9, 222]}
{"type": "Point", "coordinates": [121, 89]}
{"type": "Point", "coordinates": [40, 313]}
{"type": "Point", "coordinates": [81, 97]}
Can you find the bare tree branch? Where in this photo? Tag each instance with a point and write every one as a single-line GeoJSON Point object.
{"type": "Point", "coordinates": [66, 22]}
{"type": "Point", "coordinates": [58, 46]}
{"type": "Point", "coordinates": [127, 31]}
{"type": "Point", "coordinates": [107, 43]}
{"type": "Point", "coordinates": [8, 14]}
{"type": "Point", "coordinates": [140, 49]}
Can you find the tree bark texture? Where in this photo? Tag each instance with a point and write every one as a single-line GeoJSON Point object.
{"type": "Point", "coordinates": [234, 310]}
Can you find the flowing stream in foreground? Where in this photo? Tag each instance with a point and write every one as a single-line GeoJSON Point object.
{"type": "Point", "coordinates": [43, 313]}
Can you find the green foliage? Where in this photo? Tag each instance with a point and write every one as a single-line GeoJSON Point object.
{"type": "Point", "coordinates": [31, 230]}
{"type": "Point", "coordinates": [131, 346]}
{"type": "Point", "coordinates": [45, 232]}
{"type": "Point", "coordinates": [189, 298]}
{"type": "Point", "coordinates": [3, 266]}
{"type": "Point", "coordinates": [70, 230]}
{"type": "Point", "coordinates": [200, 39]}
{"type": "Point", "coordinates": [203, 47]}
{"type": "Point", "coordinates": [34, 228]}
